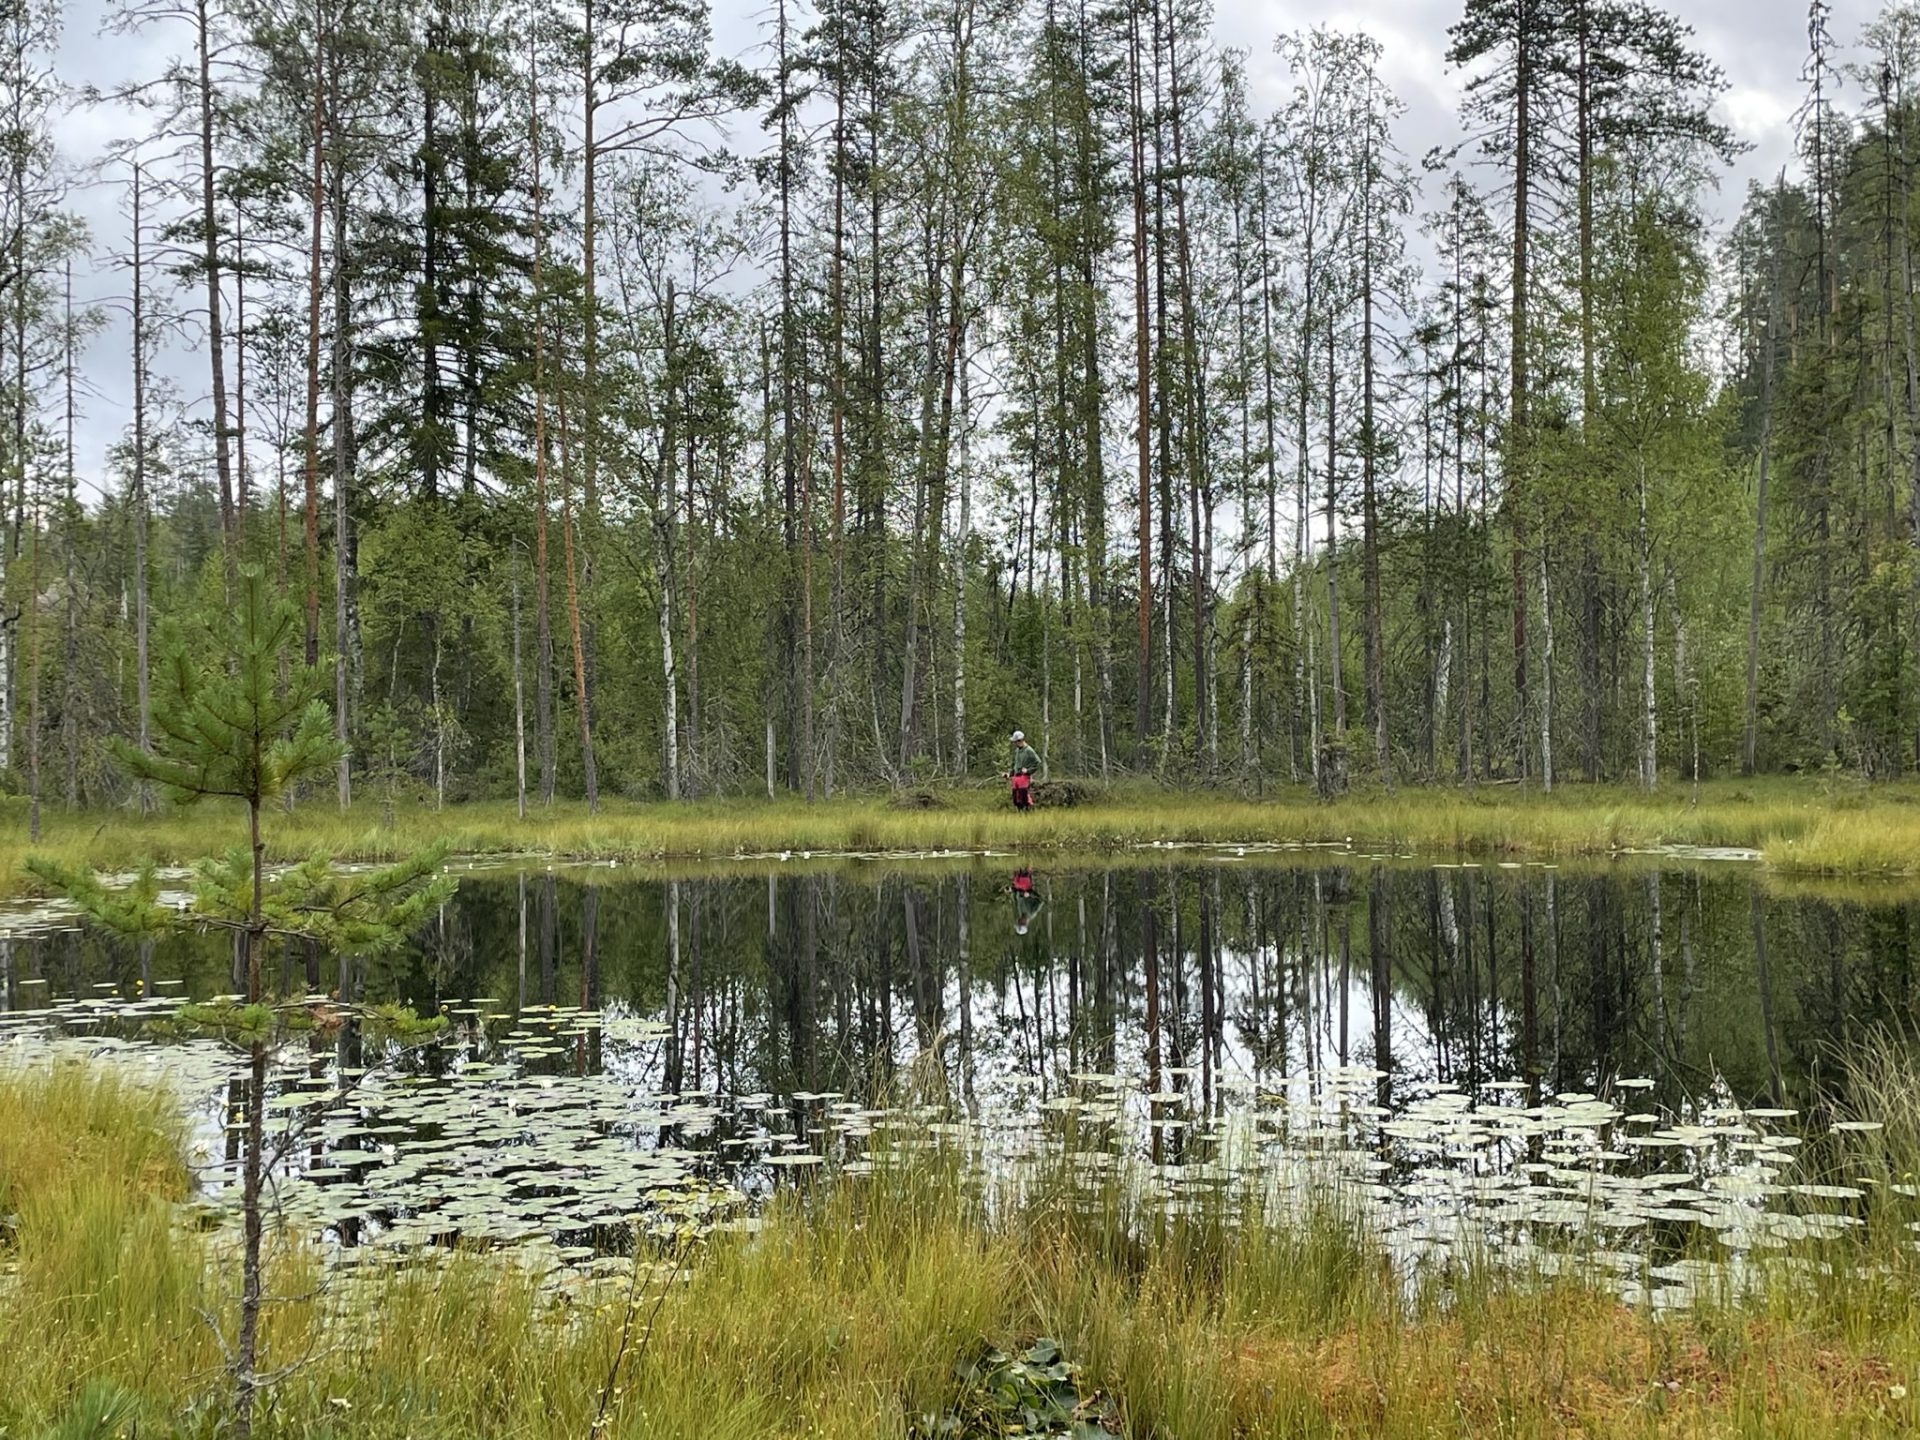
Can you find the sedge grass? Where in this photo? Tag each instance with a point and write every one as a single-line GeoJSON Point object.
{"type": "Point", "coordinates": [1802, 827]}
{"type": "Point", "coordinates": [843, 1317]}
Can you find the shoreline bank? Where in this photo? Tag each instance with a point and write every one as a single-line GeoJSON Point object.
{"type": "Point", "coordinates": [1797, 828]}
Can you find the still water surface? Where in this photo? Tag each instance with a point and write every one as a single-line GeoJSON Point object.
{"type": "Point", "coordinates": [1630, 1053]}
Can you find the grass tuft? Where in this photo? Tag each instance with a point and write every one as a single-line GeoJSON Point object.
{"type": "Point", "coordinates": [844, 1316]}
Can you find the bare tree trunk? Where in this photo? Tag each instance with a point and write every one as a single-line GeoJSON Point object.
{"type": "Point", "coordinates": [1336, 669]}
{"type": "Point", "coordinates": [519, 702]}
{"type": "Point", "coordinates": [70, 593]}
{"type": "Point", "coordinates": [663, 508]}
{"type": "Point", "coordinates": [1246, 689]}
{"type": "Point", "coordinates": [542, 604]}
{"type": "Point", "coordinates": [141, 623]}
{"type": "Point", "coordinates": [590, 103]}
{"type": "Point", "coordinates": [440, 717]}
{"type": "Point", "coordinates": [1306, 677]}
{"type": "Point", "coordinates": [837, 365]}
{"type": "Point", "coordinates": [1376, 666]}
{"type": "Point", "coordinates": [917, 547]}
{"type": "Point", "coordinates": [246, 1376]}
{"type": "Point", "coordinates": [1143, 712]}
{"type": "Point", "coordinates": [317, 199]}
{"type": "Point", "coordinates": [670, 700]}
{"type": "Point", "coordinates": [31, 615]}
{"type": "Point", "coordinates": [1649, 754]}
{"type": "Point", "coordinates": [808, 749]}
{"type": "Point", "coordinates": [1912, 355]}
{"type": "Point", "coordinates": [1518, 450]}
{"type": "Point", "coordinates": [1206, 727]}
{"type": "Point", "coordinates": [582, 711]}
{"type": "Point", "coordinates": [343, 446]}
{"type": "Point", "coordinates": [1683, 677]}
{"type": "Point", "coordinates": [210, 258]}
{"type": "Point", "coordinates": [243, 495]}
{"type": "Point", "coordinates": [1546, 669]}
{"type": "Point", "coordinates": [1750, 727]}
{"type": "Point", "coordinates": [788, 457]}
{"type": "Point", "coordinates": [689, 783]}
{"type": "Point", "coordinates": [965, 460]}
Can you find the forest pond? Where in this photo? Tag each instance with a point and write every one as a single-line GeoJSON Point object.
{"type": "Point", "coordinates": [1643, 1057]}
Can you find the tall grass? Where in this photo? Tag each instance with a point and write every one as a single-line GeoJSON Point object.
{"type": "Point", "coordinates": [101, 1281]}
{"type": "Point", "coordinates": [845, 1314]}
{"type": "Point", "coordinates": [1804, 827]}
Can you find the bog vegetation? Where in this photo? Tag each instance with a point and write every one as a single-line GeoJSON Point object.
{"type": "Point", "coordinates": [907, 1302]}
{"type": "Point", "coordinates": [631, 411]}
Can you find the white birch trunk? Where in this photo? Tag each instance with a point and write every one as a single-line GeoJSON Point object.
{"type": "Point", "coordinates": [1442, 680]}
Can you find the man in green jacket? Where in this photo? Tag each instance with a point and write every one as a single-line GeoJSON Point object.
{"type": "Point", "coordinates": [1026, 764]}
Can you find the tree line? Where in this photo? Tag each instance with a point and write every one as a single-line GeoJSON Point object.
{"type": "Point", "coordinates": [627, 417]}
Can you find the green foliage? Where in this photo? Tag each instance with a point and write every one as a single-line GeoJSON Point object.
{"type": "Point", "coordinates": [236, 1022]}
{"type": "Point", "coordinates": [225, 721]}
{"type": "Point", "coordinates": [244, 1024]}
{"type": "Point", "coordinates": [131, 910]}
{"type": "Point", "coordinates": [1035, 1391]}
{"type": "Point", "coordinates": [103, 1411]}
{"type": "Point", "coordinates": [229, 725]}
{"type": "Point", "coordinates": [360, 912]}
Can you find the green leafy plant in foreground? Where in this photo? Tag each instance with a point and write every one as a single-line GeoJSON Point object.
{"type": "Point", "coordinates": [1033, 1392]}
{"type": "Point", "coordinates": [237, 717]}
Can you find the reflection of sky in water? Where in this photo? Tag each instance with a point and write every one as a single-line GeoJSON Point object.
{"type": "Point", "coordinates": [1474, 1057]}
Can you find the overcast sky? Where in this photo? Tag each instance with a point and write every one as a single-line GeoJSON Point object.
{"type": "Point", "coordinates": [1759, 43]}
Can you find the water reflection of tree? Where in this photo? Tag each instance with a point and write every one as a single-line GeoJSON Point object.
{"type": "Point", "coordinates": [837, 979]}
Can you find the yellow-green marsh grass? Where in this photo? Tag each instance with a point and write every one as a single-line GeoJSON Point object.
{"type": "Point", "coordinates": [1803, 827]}
{"type": "Point", "coordinates": [845, 1314]}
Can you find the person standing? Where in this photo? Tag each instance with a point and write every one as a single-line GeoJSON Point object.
{"type": "Point", "coordinates": [1026, 764]}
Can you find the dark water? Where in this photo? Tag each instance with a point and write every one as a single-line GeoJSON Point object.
{"type": "Point", "coordinates": [1226, 972]}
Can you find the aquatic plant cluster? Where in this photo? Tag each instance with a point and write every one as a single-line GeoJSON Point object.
{"type": "Point", "coordinates": [546, 1133]}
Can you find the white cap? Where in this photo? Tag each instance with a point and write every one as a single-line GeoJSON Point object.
{"type": "Point", "coordinates": [1019, 735]}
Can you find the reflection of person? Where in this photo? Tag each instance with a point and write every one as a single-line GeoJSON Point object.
{"type": "Point", "coordinates": [1026, 764]}
{"type": "Point", "coordinates": [1026, 900]}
